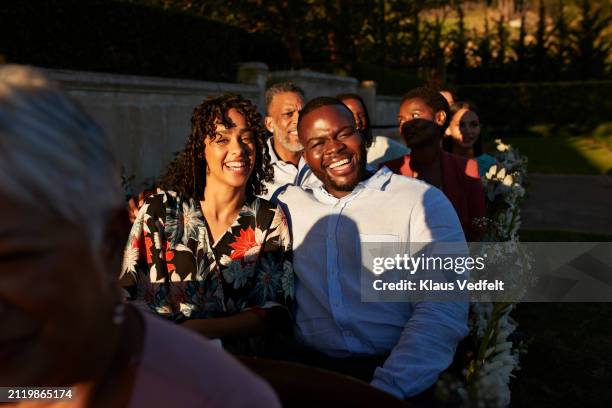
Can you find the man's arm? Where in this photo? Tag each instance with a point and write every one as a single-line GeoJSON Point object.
{"type": "Point", "coordinates": [428, 341]}
{"type": "Point", "coordinates": [425, 348]}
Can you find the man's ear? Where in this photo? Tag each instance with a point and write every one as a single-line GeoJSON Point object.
{"type": "Point", "coordinates": [269, 124]}
{"type": "Point", "coordinates": [440, 118]}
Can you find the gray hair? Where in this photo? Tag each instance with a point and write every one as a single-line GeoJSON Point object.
{"type": "Point", "coordinates": [281, 87]}
{"type": "Point", "coordinates": [53, 157]}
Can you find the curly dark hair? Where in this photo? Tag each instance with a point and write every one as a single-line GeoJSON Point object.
{"type": "Point", "coordinates": [186, 174]}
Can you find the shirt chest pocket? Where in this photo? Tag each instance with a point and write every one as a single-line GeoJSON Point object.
{"type": "Point", "coordinates": [376, 246]}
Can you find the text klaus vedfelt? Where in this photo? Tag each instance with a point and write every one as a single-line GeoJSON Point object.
{"type": "Point", "coordinates": [459, 265]}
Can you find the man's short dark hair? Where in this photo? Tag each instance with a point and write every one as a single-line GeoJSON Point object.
{"type": "Point", "coordinates": [320, 102]}
{"type": "Point", "coordinates": [368, 126]}
{"type": "Point", "coordinates": [281, 87]}
{"type": "Point", "coordinates": [432, 98]}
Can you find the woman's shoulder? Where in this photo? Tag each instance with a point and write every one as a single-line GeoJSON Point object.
{"type": "Point", "coordinates": [485, 161]}
{"type": "Point", "coordinates": [399, 165]}
{"type": "Point", "coordinates": [163, 197]}
{"type": "Point", "coordinates": [177, 364]}
{"type": "Point", "coordinates": [463, 165]}
{"type": "Point", "coordinates": [262, 203]}
{"type": "Point", "coordinates": [162, 200]}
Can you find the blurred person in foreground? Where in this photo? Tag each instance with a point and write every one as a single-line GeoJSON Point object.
{"type": "Point", "coordinates": [62, 319]}
{"type": "Point", "coordinates": [380, 148]}
{"type": "Point", "coordinates": [398, 347]}
{"type": "Point", "coordinates": [205, 251]}
{"type": "Point", "coordinates": [423, 118]}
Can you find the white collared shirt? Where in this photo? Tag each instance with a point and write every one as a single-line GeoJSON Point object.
{"type": "Point", "coordinates": [419, 337]}
{"type": "Point", "coordinates": [287, 174]}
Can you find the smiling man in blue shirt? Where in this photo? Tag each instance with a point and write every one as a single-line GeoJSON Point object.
{"type": "Point", "coordinates": [406, 344]}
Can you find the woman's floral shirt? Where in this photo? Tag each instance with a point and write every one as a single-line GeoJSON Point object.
{"type": "Point", "coordinates": [172, 267]}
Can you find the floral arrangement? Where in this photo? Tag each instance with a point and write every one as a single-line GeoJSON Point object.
{"type": "Point", "coordinates": [504, 190]}
{"type": "Point", "coordinates": [493, 355]}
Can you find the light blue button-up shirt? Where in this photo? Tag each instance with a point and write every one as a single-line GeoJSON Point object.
{"type": "Point", "coordinates": [288, 174]}
{"type": "Point", "coordinates": [419, 337]}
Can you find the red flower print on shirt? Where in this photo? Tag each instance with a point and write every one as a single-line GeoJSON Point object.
{"type": "Point", "coordinates": [169, 256]}
{"type": "Point", "coordinates": [148, 246]}
{"type": "Point", "coordinates": [246, 244]}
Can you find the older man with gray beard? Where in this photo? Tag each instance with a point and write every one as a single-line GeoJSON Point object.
{"type": "Point", "coordinates": [283, 103]}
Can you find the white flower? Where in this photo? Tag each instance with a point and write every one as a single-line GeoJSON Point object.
{"type": "Point", "coordinates": [225, 260]}
{"type": "Point", "coordinates": [491, 172]}
{"type": "Point", "coordinates": [192, 221]}
{"type": "Point", "coordinates": [502, 147]}
{"type": "Point", "coordinates": [508, 180]}
{"type": "Point", "coordinates": [186, 309]}
{"type": "Point", "coordinates": [280, 228]}
{"type": "Point", "coordinates": [130, 258]}
{"type": "Point", "coordinates": [157, 240]}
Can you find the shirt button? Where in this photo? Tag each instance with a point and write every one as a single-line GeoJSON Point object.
{"type": "Point", "coordinates": [348, 333]}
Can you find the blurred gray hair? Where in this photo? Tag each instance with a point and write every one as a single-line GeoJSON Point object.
{"type": "Point", "coordinates": [281, 87]}
{"type": "Point", "coordinates": [53, 157]}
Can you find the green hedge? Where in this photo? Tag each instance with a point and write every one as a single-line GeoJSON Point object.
{"type": "Point", "coordinates": [119, 37]}
{"type": "Point", "coordinates": [516, 107]}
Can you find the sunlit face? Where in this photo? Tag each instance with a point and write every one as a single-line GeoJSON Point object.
{"type": "Point", "coordinates": [230, 155]}
{"type": "Point", "coordinates": [464, 128]}
{"type": "Point", "coordinates": [419, 125]}
{"type": "Point", "coordinates": [282, 120]}
{"type": "Point", "coordinates": [358, 112]}
{"type": "Point", "coordinates": [56, 298]}
{"type": "Point", "coordinates": [333, 148]}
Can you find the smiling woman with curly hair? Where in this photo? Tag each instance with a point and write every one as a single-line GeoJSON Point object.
{"type": "Point", "coordinates": [205, 251]}
{"type": "Point", "coordinates": [186, 174]}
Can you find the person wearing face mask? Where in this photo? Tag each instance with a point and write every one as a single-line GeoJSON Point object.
{"type": "Point", "coordinates": [423, 117]}
{"type": "Point", "coordinates": [463, 135]}
{"type": "Point", "coordinates": [205, 251]}
{"type": "Point", "coordinates": [284, 100]}
{"type": "Point", "coordinates": [380, 148]}
{"type": "Point", "coordinates": [62, 319]}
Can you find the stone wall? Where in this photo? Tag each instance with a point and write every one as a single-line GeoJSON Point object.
{"type": "Point", "coordinates": [316, 84]}
{"type": "Point", "coordinates": [148, 119]}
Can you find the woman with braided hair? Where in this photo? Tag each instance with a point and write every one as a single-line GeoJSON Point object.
{"type": "Point", "coordinates": [205, 251]}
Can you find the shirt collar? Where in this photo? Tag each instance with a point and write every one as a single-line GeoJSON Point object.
{"type": "Point", "coordinates": [273, 157]}
{"type": "Point", "coordinates": [376, 182]}
{"type": "Point", "coordinates": [275, 160]}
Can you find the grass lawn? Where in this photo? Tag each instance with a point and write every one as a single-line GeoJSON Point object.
{"type": "Point", "coordinates": [569, 360]}
{"type": "Point", "coordinates": [565, 154]}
